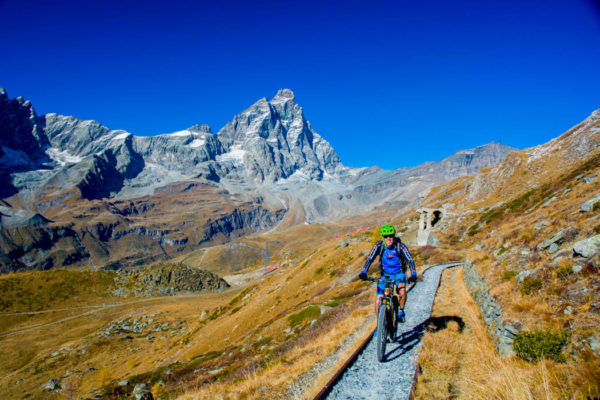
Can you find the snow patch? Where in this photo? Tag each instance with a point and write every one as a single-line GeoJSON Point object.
{"type": "Point", "coordinates": [181, 133]}
{"type": "Point", "coordinates": [197, 143]}
{"type": "Point", "coordinates": [121, 136]}
{"type": "Point", "coordinates": [235, 155]}
{"type": "Point", "coordinates": [62, 157]}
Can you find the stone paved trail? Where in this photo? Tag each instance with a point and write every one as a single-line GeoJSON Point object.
{"type": "Point", "coordinates": [367, 378]}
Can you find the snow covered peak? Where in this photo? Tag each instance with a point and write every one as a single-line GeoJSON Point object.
{"type": "Point", "coordinates": [283, 95]}
{"type": "Point", "coordinates": [200, 128]}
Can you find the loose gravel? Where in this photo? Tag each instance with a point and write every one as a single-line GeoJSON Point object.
{"type": "Point", "coordinates": [367, 378]}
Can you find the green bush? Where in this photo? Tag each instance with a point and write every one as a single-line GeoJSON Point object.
{"type": "Point", "coordinates": [263, 342]}
{"type": "Point", "coordinates": [564, 271]}
{"type": "Point", "coordinates": [508, 275]}
{"type": "Point", "coordinates": [530, 285]}
{"type": "Point", "coordinates": [540, 343]}
{"type": "Point", "coordinates": [311, 312]}
{"type": "Point", "coordinates": [473, 230]}
{"type": "Point", "coordinates": [597, 229]}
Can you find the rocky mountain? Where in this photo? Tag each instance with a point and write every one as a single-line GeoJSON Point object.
{"type": "Point", "coordinates": [77, 193]}
{"type": "Point", "coordinates": [272, 140]}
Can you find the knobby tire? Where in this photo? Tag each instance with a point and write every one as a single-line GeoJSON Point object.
{"type": "Point", "coordinates": [382, 332]}
{"type": "Point", "coordinates": [394, 321]}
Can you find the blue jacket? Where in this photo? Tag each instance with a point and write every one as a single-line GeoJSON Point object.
{"type": "Point", "coordinates": [402, 251]}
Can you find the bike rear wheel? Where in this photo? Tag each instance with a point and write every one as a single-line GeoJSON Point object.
{"type": "Point", "coordinates": [382, 331]}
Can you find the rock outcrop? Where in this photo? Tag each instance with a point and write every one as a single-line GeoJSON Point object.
{"type": "Point", "coordinates": [170, 279]}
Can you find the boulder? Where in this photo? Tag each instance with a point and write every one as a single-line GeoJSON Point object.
{"type": "Point", "coordinates": [524, 274]}
{"type": "Point", "coordinates": [562, 236]}
{"type": "Point", "coordinates": [541, 225]}
{"type": "Point", "coordinates": [141, 391]}
{"type": "Point", "coordinates": [589, 205]}
{"type": "Point", "coordinates": [587, 247]}
{"type": "Point", "coordinates": [52, 384]}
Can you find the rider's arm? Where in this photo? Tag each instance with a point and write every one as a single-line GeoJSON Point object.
{"type": "Point", "coordinates": [374, 252]}
{"type": "Point", "coordinates": [407, 257]}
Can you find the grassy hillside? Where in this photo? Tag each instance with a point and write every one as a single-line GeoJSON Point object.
{"type": "Point", "coordinates": [520, 228]}
{"type": "Point", "coordinates": [250, 341]}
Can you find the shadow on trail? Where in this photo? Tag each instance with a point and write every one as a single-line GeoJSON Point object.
{"type": "Point", "coordinates": [408, 340]}
{"type": "Point", "coordinates": [438, 323]}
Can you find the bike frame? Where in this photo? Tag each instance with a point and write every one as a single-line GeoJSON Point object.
{"type": "Point", "coordinates": [387, 318]}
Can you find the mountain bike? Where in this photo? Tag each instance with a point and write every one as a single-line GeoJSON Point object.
{"type": "Point", "coordinates": [387, 318]}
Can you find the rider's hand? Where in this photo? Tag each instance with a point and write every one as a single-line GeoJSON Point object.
{"type": "Point", "coordinates": [413, 278]}
{"type": "Point", "coordinates": [362, 275]}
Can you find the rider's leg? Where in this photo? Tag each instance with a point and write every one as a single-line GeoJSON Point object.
{"type": "Point", "coordinates": [401, 296]}
{"type": "Point", "coordinates": [377, 304]}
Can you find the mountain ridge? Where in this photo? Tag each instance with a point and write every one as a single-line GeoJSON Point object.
{"type": "Point", "coordinates": [265, 169]}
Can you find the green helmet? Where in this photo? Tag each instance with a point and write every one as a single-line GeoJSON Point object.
{"type": "Point", "coordinates": [387, 230]}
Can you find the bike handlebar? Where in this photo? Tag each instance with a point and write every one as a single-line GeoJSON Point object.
{"type": "Point", "coordinates": [382, 279]}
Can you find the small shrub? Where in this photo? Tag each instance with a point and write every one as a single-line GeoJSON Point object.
{"type": "Point", "coordinates": [308, 313]}
{"type": "Point", "coordinates": [473, 230]}
{"type": "Point", "coordinates": [540, 343]}
{"type": "Point", "coordinates": [564, 271]}
{"type": "Point", "coordinates": [597, 229]}
{"type": "Point", "coordinates": [596, 206]}
{"type": "Point", "coordinates": [319, 270]}
{"type": "Point", "coordinates": [501, 251]}
{"type": "Point", "coordinates": [215, 314]}
{"type": "Point", "coordinates": [508, 275]}
{"type": "Point", "coordinates": [530, 285]}
{"type": "Point", "coordinates": [262, 342]}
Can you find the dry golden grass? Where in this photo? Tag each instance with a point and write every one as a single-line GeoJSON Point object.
{"type": "Point", "coordinates": [79, 347]}
{"type": "Point", "coordinates": [248, 253]}
{"type": "Point", "coordinates": [272, 381]}
{"type": "Point", "coordinates": [465, 365]}
{"type": "Point", "coordinates": [501, 241]}
{"type": "Point", "coordinates": [242, 338]}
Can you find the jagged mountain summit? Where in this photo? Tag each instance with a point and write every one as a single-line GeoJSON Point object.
{"type": "Point", "coordinates": [272, 140]}
{"type": "Point", "coordinates": [78, 185]}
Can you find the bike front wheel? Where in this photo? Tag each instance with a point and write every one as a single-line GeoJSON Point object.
{"type": "Point", "coordinates": [394, 320]}
{"type": "Point", "coordinates": [382, 332]}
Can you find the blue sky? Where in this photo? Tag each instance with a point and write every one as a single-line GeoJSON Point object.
{"type": "Point", "coordinates": [391, 83]}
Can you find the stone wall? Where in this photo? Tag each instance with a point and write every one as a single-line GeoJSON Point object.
{"type": "Point", "coordinates": [503, 332]}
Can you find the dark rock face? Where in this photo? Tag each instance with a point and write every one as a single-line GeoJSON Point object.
{"type": "Point", "coordinates": [233, 225]}
{"type": "Point", "coordinates": [20, 129]}
{"type": "Point", "coordinates": [39, 247]}
{"type": "Point", "coordinates": [22, 140]}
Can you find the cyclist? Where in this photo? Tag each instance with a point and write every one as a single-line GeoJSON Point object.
{"type": "Point", "coordinates": [393, 257]}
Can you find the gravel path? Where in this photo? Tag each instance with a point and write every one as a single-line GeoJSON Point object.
{"type": "Point", "coordinates": [367, 378]}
